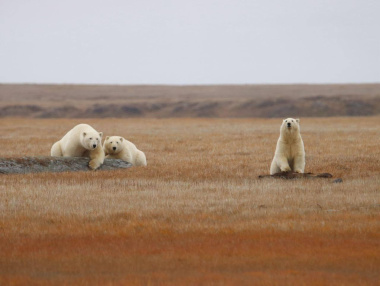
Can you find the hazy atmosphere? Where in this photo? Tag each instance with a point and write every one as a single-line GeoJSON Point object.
{"type": "Point", "coordinates": [189, 42]}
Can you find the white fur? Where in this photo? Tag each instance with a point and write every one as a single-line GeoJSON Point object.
{"type": "Point", "coordinates": [290, 151]}
{"type": "Point", "coordinates": [116, 147]}
{"type": "Point", "coordinates": [80, 142]}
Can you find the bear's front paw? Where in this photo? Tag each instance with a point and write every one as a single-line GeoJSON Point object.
{"type": "Point", "coordinates": [94, 164]}
{"type": "Point", "coordinates": [286, 169]}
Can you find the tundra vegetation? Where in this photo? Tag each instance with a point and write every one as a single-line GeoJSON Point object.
{"type": "Point", "coordinates": [198, 213]}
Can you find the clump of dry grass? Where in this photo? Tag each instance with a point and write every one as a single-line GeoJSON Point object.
{"type": "Point", "coordinates": [197, 213]}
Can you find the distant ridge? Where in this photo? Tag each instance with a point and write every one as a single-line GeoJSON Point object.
{"type": "Point", "coordinates": [98, 101]}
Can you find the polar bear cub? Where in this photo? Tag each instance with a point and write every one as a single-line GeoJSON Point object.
{"type": "Point", "coordinates": [290, 151]}
{"type": "Point", "coordinates": [116, 147]}
{"type": "Point", "coordinates": [81, 141]}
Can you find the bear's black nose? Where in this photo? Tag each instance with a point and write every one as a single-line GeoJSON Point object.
{"type": "Point", "coordinates": [288, 124]}
{"type": "Point", "coordinates": [94, 145]}
{"type": "Point", "coordinates": [114, 148]}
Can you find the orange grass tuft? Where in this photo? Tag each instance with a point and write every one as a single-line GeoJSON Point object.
{"type": "Point", "coordinates": [197, 214]}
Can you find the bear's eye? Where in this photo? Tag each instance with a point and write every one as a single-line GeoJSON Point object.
{"type": "Point", "coordinates": [292, 120]}
{"type": "Point", "coordinates": [111, 142]}
{"type": "Point", "coordinates": [117, 142]}
{"type": "Point", "coordinates": [286, 120]}
{"type": "Point", "coordinates": [97, 139]}
{"type": "Point", "coordinates": [90, 138]}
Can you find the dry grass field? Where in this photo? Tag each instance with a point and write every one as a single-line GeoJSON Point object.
{"type": "Point", "coordinates": [198, 214]}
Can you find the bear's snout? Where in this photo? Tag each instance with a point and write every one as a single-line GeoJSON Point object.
{"type": "Point", "coordinates": [94, 146]}
{"type": "Point", "coordinates": [114, 148]}
{"type": "Point", "coordinates": [289, 125]}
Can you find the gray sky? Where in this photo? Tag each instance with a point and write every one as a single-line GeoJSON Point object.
{"type": "Point", "coordinates": [189, 41]}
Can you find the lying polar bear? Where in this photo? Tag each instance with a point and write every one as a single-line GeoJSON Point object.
{"type": "Point", "coordinates": [116, 147]}
{"type": "Point", "coordinates": [290, 152]}
{"type": "Point", "coordinates": [81, 141]}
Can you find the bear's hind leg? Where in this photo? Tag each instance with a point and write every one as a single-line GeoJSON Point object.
{"type": "Point", "coordinates": [140, 159]}
{"type": "Point", "coordinates": [56, 150]}
{"type": "Point", "coordinates": [299, 164]}
{"type": "Point", "coordinates": [282, 163]}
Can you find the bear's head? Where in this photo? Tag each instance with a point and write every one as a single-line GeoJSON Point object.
{"type": "Point", "coordinates": [113, 144]}
{"type": "Point", "coordinates": [290, 126]}
{"type": "Point", "coordinates": [91, 140]}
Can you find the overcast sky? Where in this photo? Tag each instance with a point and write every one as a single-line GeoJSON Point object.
{"type": "Point", "coordinates": [189, 41]}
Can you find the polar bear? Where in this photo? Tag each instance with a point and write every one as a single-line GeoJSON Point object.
{"type": "Point", "coordinates": [116, 147]}
{"type": "Point", "coordinates": [81, 141]}
{"type": "Point", "coordinates": [290, 152]}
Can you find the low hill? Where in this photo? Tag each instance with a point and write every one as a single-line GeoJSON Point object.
{"type": "Point", "coordinates": [97, 101]}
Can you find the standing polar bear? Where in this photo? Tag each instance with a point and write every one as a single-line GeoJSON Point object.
{"type": "Point", "coordinates": [81, 141]}
{"type": "Point", "coordinates": [116, 147]}
{"type": "Point", "coordinates": [290, 152]}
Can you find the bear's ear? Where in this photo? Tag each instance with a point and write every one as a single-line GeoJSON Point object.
{"type": "Point", "coordinates": [107, 138]}
{"type": "Point", "coordinates": [298, 120]}
{"type": "Point", "coordinates": [101, 134]}
{"type": "Point", "coordinates": [121, 139]}
{"type": "Point", "coordinates": [84, 134]}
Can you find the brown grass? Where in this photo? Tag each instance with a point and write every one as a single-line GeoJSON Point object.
{"type": "Point", "coordinates": [198, 214]}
